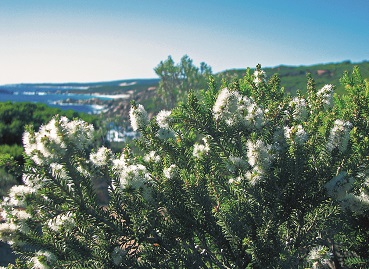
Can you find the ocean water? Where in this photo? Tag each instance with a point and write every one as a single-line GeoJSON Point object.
{"type": "Point", "coordinates": [50, 95]}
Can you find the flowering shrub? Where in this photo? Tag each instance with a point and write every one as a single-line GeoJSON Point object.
{"type": "Point", "coordinates": [243, 176]}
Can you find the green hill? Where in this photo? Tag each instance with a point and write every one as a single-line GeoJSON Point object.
{"type": "Point", "coordinates": [294, 77]}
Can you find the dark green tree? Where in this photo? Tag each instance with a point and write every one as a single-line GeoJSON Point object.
{"type": "Point", "coordinates": [176, 80]}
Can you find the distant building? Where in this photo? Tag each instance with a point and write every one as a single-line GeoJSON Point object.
{"type": "Point", "coordinates": [117, 136]}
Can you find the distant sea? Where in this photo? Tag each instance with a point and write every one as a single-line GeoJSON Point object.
{"type": "Point", "coordinates": [53, 96]}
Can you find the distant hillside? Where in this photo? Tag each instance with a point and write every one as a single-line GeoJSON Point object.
{"type": "Point", "coordinates": [294, 77]}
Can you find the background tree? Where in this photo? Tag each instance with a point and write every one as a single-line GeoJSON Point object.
{"type": "Point", "coordinates": [176, 80]}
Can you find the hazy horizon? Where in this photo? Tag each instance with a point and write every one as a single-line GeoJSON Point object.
{"type": "Point", "coordinates": [77, 41]}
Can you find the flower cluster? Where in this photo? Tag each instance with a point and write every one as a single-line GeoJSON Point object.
{"type": "Point", "coordinates": [299, 109]}
{"type": "Point", "coordinates": [260, 157]}
{"type": "Point", "coordinates": [171, 171]}
{"type": "Point", "coordinates": [319, 255]}
{"type": "Point", "coordinates": [163, 120]}
{"type": "Point", "coordinates": [43, 260]}
{"type": "Point", "coordinates": [152, 156]}
{"type": "Point", "coordinates": [102, 157]}
{"type": "Point", "coordinates": [64, 220]}
{"type": "Point", "coordinates": [296, 134]}
{"type": "Point", "coordinates": [340, 187]}
{"type": "Point", "coordinates": [13, 211]}
{"type": "Point", "coordinates": [200, 150]}
{"type": "Point", "coordinates": [133, 176]}
{"type": "Point", "coordinates": [49, 143]}
{"type": "Point", "coordinates": [138, 116]}
{"type": "Point", "coordinates": [234, 109]}
{"type": "Point", "coordinates": [259, 77]}
{"type": "Point", "coordinates": [339, 136]}
{"type": "Point", "coordinates": [325, 95]}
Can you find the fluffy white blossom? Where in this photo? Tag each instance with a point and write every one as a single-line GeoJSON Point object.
{"type": "Point", "coordinates": [325, 95]}
{"type": "Point", "coordinates": [339, 135]}
{"type": "Point", "coordinates": [152, 157]}
{"type": "Point", "coordinates": [339, 186]}
{"type": "Point", "coordinates": [7, 231]}
{"type": "Point", "coordinates": [260, 158]}
{"type": "Point", "coordinates": [17, 195]}
{"type": "Point", "coordinates": [43, 260]}
{"type": "Point", "coordinates": [200, 150]}
{"type": "Point", "coordinates": [58, 171]}
{"type": "Point", "coordinates": [259, 153]}
{"type": "Point", "coordinates": [235, 109]}
{"type": "Point", "coordinates": [259, 77]}
{"type": "Point", "coordinates": [134, 176]}
{"type": "Point", "coordinates": [101, 157]}
{"type": "Point", "coordinates": [255, 116]}
{"type": "Point", "coordinates": [63, 220]}
{"type": "Point", "coordinates": [171, 171]}
{"type": "Point", "coordinates": [50, 142]}
{"type": "Point", "coordinates": [119, 164]}
{"type": "Point", "coordinates": [299, 107]}
{"type": "Point", "coordinates": [224, 98]}
{"type": "Point", "coordinates": [296, 134]}
{"type": "Point", "coordinates": [163, 118]}
{"type": "Point", "coordinates": [138, 117]}
{"type": "Point", "coordinates": [319, 254]}
{"type": "Point", "coordinates": [78, 132]}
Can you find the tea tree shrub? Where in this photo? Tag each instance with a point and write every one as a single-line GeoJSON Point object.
{"type": "Point", "coordinates": [241, 175]}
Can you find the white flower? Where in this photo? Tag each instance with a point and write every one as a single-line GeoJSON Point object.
{"type": "Point", "coordinates": [7, 231]}
{"type": "Point", "coordinates": [50, 142]}
{"type": "Point", "coordinates": [255, 175]}
{"type": "Point", "coordinates": [63, 220]}
{"type": "Point", "coordinates": [259, 77]}
{"type": "Point", "coordinates": [300, 111]}
{"type": "Point", "coordinates": [319, 254]}
{"type": "Point", "coordinates": [339, 136]}
{"type": "Point", "coordinates": [58, 171]}
{"type": "Point", "coordinates": [199, 150]}
{"type": "Point", "coordinates": [235, 109]}
{"type": "Point", "coordinates": [296, 134]}
{"type": "Point", "coordinates": [138, 117]}
{"type": "Point", "coordinates": [152, 157]}
{"type": "Point", "coordinates": [134, 176]}
{"type": "Point", "coordinates": [255, 116]}
{"type": "Point", "coordinates": [21, 214]}
{"type": "Point", "coordinates": [119, 164]}
{"type": "Point", "coordinates": [78, 132]}
{"type": "Point", "coordinates": [101, 157]}
{"type": "Point", "coordinates": [356, 203]}
{"type": "Point", "coordinates": [326, 95]}
{"type": "Point", "coordinates": [258, 153]}
{"type": "Point", "coordinates": [17, 195]}
{"type": "Point", "coordinates": [221, 103]}
{"type": "Point", "coordinates": [171, 171]}
{"type": "Point", "coordinates": [338, 186]}
{"type": "Point", "coordinates": [43, 260]}
{"type": "Point", "coordinates": [163, 118]}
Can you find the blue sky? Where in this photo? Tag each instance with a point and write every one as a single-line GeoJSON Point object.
{"type": "Point", "coordinates": [98, 40]}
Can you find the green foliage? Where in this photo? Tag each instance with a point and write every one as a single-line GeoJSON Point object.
{"type": "Point", "coordinates": [293, 77]}
{"type": "Point", "coordinates": [237, 176]}
{"type": "Point", "coordinates": [13, 119]}
{"type": "Point", "coordinates": [176, 80]}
